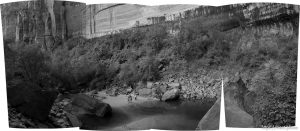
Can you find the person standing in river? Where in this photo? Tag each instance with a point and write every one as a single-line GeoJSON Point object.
{"type": "Point", "coordinates": [129, 98]}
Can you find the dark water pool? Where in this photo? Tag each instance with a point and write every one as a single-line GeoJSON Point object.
{"type": "Point", "coordinates": [180, 115]}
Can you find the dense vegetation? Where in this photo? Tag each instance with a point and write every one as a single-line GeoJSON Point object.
{"type": "Point", "coordinates": [268, 68]}
{"type": "Point", "coordinates": [140, 54]}
{"type": "Point", "coordinates": [276, 102]}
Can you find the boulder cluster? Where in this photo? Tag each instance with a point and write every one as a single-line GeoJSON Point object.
{"type": "Point", "coordinates": [58, 115]}
{"type": "Point", "coordinates": [67, 110]}
{"type": "Point", "coordinates": [18, 120]}
{"type": "Point", "coordinates": [184, 86]}
{"type": "Point", "coordinates": [64, 112]}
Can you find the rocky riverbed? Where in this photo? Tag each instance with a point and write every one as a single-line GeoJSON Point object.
{"type": "Point", "coordinates": [66, 113]}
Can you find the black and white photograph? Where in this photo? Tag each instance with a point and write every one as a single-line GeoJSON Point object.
{"type": "Point", "coordinates": [124, 66]}
{"type": "Point", "coordinates": [110, 66]}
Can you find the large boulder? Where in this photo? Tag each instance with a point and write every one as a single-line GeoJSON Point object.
{"type": "Point", "coordinates": [174, 85]}
{"type": "Point", "coordinates": [145, 92]}
{"type": "Point", "coordinates": [163, 88]}
{"type": "Point", "coordinates": [85, 105]}
{"type": "Point", "coordinates": [184, 88]}
{"type": "Point", "coordinates": [30, 100]}
{"type": "Point", "coordinates": [171, 95]}
{"type": "Point", "coordinates": [149, 84]}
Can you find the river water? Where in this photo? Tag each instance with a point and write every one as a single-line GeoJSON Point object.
{"type": "Point", "coordinates": [179, 115]}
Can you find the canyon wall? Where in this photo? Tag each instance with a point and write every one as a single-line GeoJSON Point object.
{"type": "Point", "coordinates": [81, 20]}
{"type": "Point", "coordinates": [102, 19]}
{"type": "Point", "coordinates": [78, 19]}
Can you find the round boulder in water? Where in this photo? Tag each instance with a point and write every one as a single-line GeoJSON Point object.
{"type": "Point", "coordinates": [171, 95]}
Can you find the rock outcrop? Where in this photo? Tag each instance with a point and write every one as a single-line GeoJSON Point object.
{"type": "Point", "coordinates": [58, 115]}
{"type": "Point", "coordinates": [174, 85]}
{"type": "Point", "coordinates": [202, 83]}
{"type": "Point", "coordinates": [17, 120]}
{"type": "Point", "coordinates": [171, 95]}
{"type": "Point", "coordinates": [85, 105]}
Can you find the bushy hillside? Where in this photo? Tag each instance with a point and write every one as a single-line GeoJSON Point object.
{"type": "Point", "coordinates": [265, 59]}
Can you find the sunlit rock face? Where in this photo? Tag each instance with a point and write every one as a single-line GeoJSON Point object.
{"type": "Point", "coordinates": [78, 19]}
{"type": "Point", "coordinates": [102, 19]}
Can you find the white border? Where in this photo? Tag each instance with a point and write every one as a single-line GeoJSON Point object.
{"type": "Point", "coordinates": [3, 99]}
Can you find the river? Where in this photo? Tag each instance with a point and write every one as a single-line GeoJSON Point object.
{"type": "Point", "coordinates": [149, 114]}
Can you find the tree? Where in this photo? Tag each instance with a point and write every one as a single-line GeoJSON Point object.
{"type": "Point", "coordinates": [32, 63]}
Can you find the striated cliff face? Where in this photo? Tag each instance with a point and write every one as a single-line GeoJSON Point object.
{"type": "Point", "coordinates": [81, 19]}
{"type": "Point", "coordinates": [107, 19]}
{"type": "Point", "coordinates": [78, 19]}
{"type": "Point", "coordinates": [102, 19]}
{"type": "Point", "coordinates": [35, 20]}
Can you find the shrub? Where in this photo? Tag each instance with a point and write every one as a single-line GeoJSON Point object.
{"type": "Point", "coordinates": [148, 68]}
{"type": "Point", "coordinates": [252, 58]}
{"type": "Point", "coordinates": [289, 48]}
{"type": "Point", "coordinates": [63, 76]}
{"type": "Point", "coordinates": [276, 102]}
{"type": "Point", "coordinates": [191, 30]}
{"type": "Point", "coordinates": [229, 24]}
{"type": "Point", "coordinates": [156, 36]}
{"type": "Point", "coordinates": [274, 110]}
{"type": "Point", "coordinates": [137, 37]}
{"type": "Point", "coordinates": [73, 42]}
{"type": "Point", "coordinates": [219, 53]}
{"type": "Point", "coordinates": [32, 63]}
{"type": "Point", "coordinates": [104, 76]}
{"type": "Point", "coordinates": [128, 73]}
{"type": "Point", "coordinates": [145, 69]}
{"type": "Point", "coordinates": [84, 72]}
{"type": "Point", "coordinates": [196, 49]}
{"type": "Point", "coordinates": [10, 62]}
{"type": "Point", "coordinates": [103, 52]}
{"type": "Point", "coordinates": [177, 65]}
{"type": "Point", "coordinates": [62, 70]}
